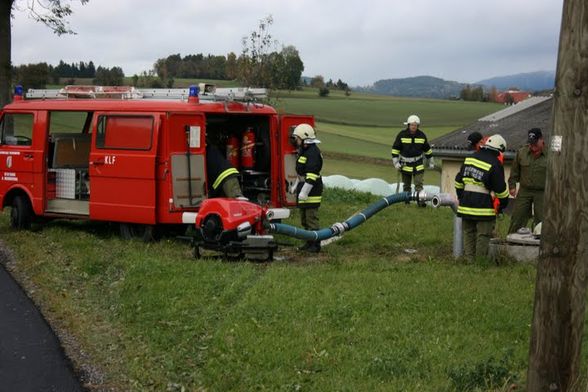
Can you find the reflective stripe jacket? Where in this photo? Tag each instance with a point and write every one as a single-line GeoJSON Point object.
{"type": "Point", "coordinates": [411, 146]}
{"type": "Point", "coordinates": [480, 175]}
{"type": "Point", "coordinates": [218, 170]}
{"type": "Point", "coordinates": [309, 164]}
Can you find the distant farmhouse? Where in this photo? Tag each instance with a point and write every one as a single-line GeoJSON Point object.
{"type": "Point", "coordinates": [511, 96]}
{"type": "Point", "coordinates": [512, 123]}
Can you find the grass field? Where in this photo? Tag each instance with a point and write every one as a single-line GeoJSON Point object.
{"type": "Point", "coordinates": [361, 170]}
{"type": "Point", "coordinates": [366, 314]}
{"type": "Point", "coordinates": [369, 110]}
{"type": "Point", "coordinates": [366, 125]}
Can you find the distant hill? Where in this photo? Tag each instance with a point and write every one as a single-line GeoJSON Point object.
{"type": "Point", "coordinates": [418, 86]}
{"type": "Point", "coordinates": [532, 81]}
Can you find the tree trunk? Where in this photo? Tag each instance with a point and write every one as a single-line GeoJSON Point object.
{"type": "Point", "coordinates": [560, 294]}
{"type": "Point", "coordinates": [5, 48]}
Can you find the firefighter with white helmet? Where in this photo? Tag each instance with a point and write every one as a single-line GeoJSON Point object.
{"type": "Point", "coordinates": [481, 176]}
{"type": "Point", "coordinates": [409, 150]}
{"type": "Point", "coordinates": [309, 186]}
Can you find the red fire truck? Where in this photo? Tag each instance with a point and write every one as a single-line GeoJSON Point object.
{"type": "Point", "coordinates": [137, 157]}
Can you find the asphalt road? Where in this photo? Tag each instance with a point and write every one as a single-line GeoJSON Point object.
{"type": "Point", "coordinates": [31, 358]}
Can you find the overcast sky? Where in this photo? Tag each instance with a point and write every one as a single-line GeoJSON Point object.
{"type": "Point", "coordinates": [358, 41]}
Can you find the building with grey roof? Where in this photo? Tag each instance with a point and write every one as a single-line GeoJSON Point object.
{"type": "Point", "coordinates": [512, 123]}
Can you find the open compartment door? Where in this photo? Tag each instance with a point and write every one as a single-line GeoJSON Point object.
{"type": "Point", "coordinates": [288, 154]}
{"type": "Point", "coordinates": [187, 141]}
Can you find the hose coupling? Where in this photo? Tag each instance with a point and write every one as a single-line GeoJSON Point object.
{"type": "Point", "coordinates": [420, 197]}
{"type": "Point", "coordinates": [339, 228]}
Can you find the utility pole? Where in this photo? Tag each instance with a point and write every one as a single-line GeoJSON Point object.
{"type": "Point", "coordinates": [560, 293]}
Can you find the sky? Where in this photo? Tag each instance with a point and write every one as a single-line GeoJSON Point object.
{"type": "Point", "coordinates": [357, 41]}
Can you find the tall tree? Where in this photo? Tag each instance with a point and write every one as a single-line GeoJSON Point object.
{"type": "Point", "coordinates": [52, 13]}
{"type": "Point", "coordinates": [254, 66]}
{"type": "Point", "coordinates": [231, 66]}
{"type": "Point", "coordinates": [293, 67]}
{"type": "Point", "coordinates": [560, 292]}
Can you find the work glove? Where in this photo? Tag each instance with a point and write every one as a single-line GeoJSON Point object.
{"type": "Point", "coordinates": [431, 163]}
{"type": "Point", "coordinates": [396, 163]}
{"type": "Point", "coordinates": [292, 188]}
{"type": "Point", "coordinates": [306, 188]}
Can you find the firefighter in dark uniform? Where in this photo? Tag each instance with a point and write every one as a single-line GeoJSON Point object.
{"type": "Point", "coordinates": [530, 170]}
{"type": "Point", "coordinates": [223, 178]}
{"type": "Point", "coordinates": [408, 153]}
{"type": "Point", "coordinates": [309, 186]}
{"type": "Point", "coordinates": [481, 176]}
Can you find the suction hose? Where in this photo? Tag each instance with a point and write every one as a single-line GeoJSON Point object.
{"type": "Point", "coordinates": [351, 223]}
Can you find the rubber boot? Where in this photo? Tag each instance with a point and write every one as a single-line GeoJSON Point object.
{"type": "Point", "coordinates": [315, 247]}
{"type": "Point", "coordinates": [306, 246]}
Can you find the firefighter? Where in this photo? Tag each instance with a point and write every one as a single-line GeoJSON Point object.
{"type": "Point", "coordinates": [309, 186]}
{"type": "Point", "coordinates": [481, 175]}
{"type": "Point", "coordinates": [529, 169]}
{"type": "Point", "coordinates": [408, 153]}
{"type": "Point", "coordinates": [223, 178]}
{"type": "Point", "coordinates": [475, 141]}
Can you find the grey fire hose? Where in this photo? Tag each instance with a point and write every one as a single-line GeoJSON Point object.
{"type": "Point", "coordinates": [351, 223]}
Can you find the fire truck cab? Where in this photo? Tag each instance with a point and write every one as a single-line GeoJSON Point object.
{"type": "Point", "coordinates": [137, 157]}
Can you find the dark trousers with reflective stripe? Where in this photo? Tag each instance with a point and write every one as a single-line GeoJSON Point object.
{"type": "Point", "coordinates": [309, 218]}
{"type": "Point", "coordinates": [476, 237]}
{"type": "Point", "coordinates": [407, 179]}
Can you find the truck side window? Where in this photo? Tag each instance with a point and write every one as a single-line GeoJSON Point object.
{"type": "Point", "coordinates": [124, 132]}
{"type": "Point", "coordinates": [17, 129]}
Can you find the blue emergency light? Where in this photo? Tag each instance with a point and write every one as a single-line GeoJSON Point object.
{"type": "Point", "coordinates": [18, 91]}
{"type": "Point", "coordinates": [193, 92]}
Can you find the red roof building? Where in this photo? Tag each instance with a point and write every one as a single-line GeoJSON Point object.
{"type": "Point", "coordinates": [512, 96]}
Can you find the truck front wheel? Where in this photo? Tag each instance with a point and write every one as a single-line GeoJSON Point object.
{"type": "Point", "coordinates": [21, 213]}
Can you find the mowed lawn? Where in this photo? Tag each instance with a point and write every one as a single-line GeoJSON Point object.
{"type": "Point", "coordinates": [385, 308]}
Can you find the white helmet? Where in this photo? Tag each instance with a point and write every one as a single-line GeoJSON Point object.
{"type": "Point", "coordinates": [304, 131]}
{"type": "Point", "coordinates": [413, 118]}
{"type": "Point", "coordinates": [496, 142]}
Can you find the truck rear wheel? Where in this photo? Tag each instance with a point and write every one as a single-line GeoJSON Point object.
{"type": "Point", "coordinates": [21, 214]}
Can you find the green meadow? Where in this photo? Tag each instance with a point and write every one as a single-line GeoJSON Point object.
{"type": "Point", "coordinates": [365, 125]}
{"type": "Point", "coordinates": [385, 308]}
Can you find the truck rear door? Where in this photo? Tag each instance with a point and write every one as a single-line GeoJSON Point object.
{"type": "Point", "coordinates": [122, 167]}
{"type": "Point", "coordinates": [288, 153]}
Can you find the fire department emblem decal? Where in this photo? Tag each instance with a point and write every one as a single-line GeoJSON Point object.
{"type": "Point", "coordinates": [9, 161]}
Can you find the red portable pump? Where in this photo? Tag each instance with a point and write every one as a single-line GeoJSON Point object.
{"type": "Point", "coordinates": [234, 227]}
{"type": "Point", "coordinates": [248, 150]}
{"type": "Point", "coordinates": [233, 148]}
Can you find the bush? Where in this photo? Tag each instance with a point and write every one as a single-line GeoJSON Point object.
{"type": "Point", "coordinates": [324, 92]}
